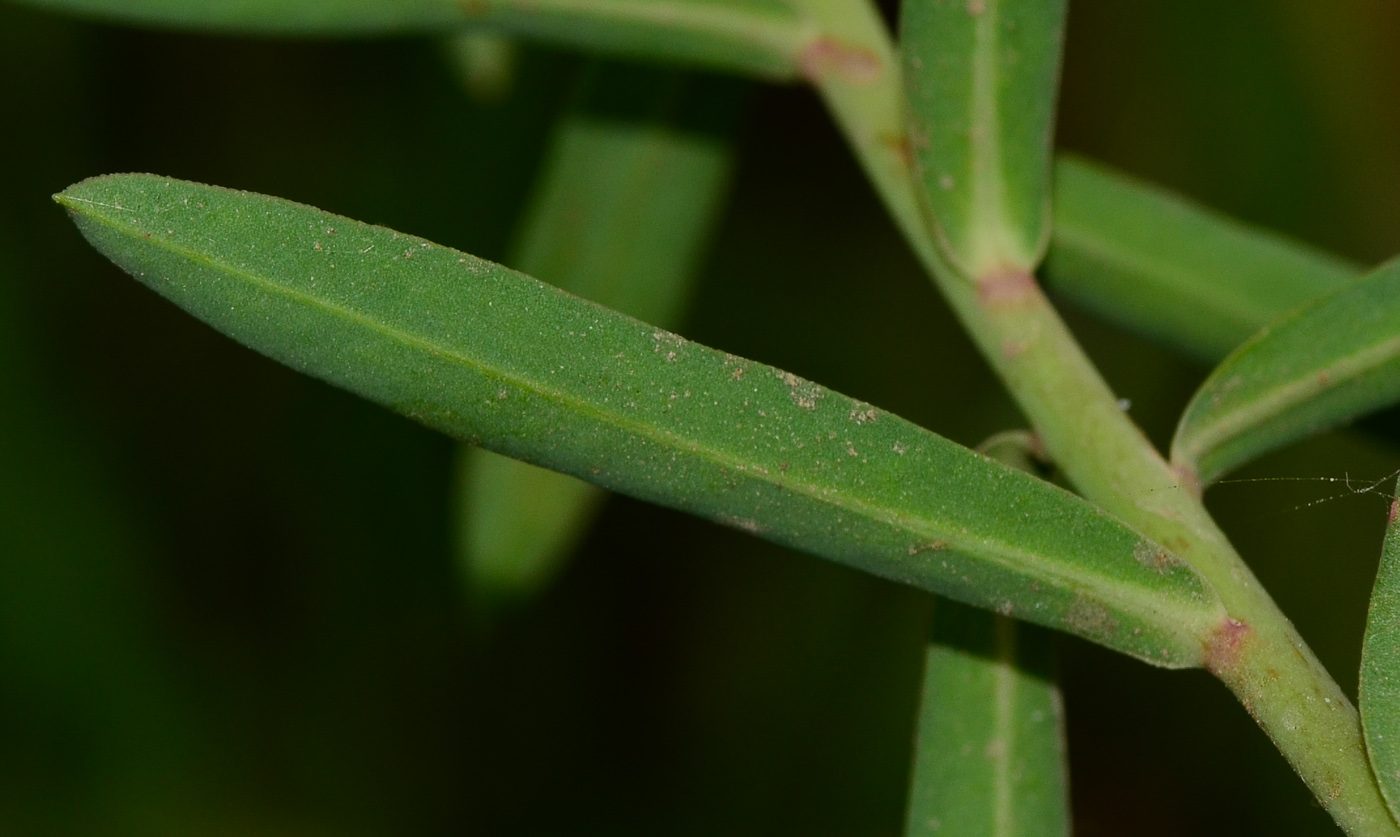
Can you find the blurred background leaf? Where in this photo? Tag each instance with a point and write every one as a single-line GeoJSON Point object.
{"type": "Point", "coordinates": [278, 626]}
{"type": "Point", "coordinates": [989, 756]}
{"type": "Point", "coordinates": [627, 198]}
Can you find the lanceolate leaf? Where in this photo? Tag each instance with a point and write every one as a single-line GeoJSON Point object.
{"type": "Point", "coordinates": [981, 77]}
{"type": "Point", "coordinates": [1181, 274]}
{"type": "Point", "coordinates": [1380, 669]}
{"type": "Point", "coordinates": [629, 191]}
{"type": "Point", "coordinates": [1320, 367]}
{"type": "Point", "coordinates": [989, 755]}
{"type": "Point", "coordinates": [758, 37]}
{"type": "Point", "coordinates": [494, 357]}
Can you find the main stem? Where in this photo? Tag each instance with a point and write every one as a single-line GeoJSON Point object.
{"type": "Point", "coordinates": [1256, 652]}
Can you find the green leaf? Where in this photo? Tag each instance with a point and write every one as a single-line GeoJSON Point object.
{"type": "Point", "coordinates": [1320, 367]}
{"type": "Point", "coordinates": [762, 38]}
{"type": "Point", "coordinates": [989, 755]}
{"type": "Point", "coordinates": [631, 187]}
{"type": "Point", "coordinates": [757, 37]}
{"type": "Point", "coordinates": [485, 64]}
{"type": "Point", "coordinates": [1379, 692]}
{"type": "Point", "coordinates": [1183, 275]}
{"type": "Point", "coordinates": [981, 77]}
{"type": "Point", "coordinates": [518, 522]}
{"type": "Point", "coordinates": [493, 357]}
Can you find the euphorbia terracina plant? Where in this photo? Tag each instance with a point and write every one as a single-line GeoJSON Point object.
{"type": "Point", "coordinates": [952, 121]}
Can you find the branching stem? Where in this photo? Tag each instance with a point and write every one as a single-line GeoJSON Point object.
{"type": "Point", "coordinates": [1257, 653]}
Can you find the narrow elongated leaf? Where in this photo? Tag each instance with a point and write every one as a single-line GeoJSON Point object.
{"type": "Point", "coordinates": [1178, 273]}
{"type": "Point", "coordinates": [517, 522]}
{"type": "Point", "coordinates": [496, 358]}
{"type": "Point", "coordinates": [1379, 693]}
{"type": "Point", "coordinates": [755, 37]}
{"type": "Point", "coordinates": [628, 193]}
{"type": "Point", "coordinates": [1320, 367]}
{"type": "Point", "coordinates": [981, 77]}
{"type": "Point", "coordinates": [989, 754]}
{"type": "Point", "coordinates": [761, 38]}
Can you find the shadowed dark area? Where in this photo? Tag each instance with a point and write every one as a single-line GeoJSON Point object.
{"type": "Point", "coordinates": [227, 600]}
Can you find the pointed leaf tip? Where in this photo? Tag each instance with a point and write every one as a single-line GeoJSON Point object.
{"type": "Point", "coordinates": [491, 356]}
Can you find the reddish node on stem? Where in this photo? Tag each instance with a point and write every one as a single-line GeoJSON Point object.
{"type": "Point", "coordinates": [1225, 644]}
{"type": "Point", "coordinates": [1006, 288]}
{"type": "Point", "coordinates": [828, 56]}
{"type": "Point", "coordinates": [900, 147]}
{"type": "Point", "coordinates": [1187, 478]}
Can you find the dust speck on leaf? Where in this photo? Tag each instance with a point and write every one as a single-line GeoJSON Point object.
{"type": "Point", "coordinates": [1154, 557]}
{"type": "Point", "coordinates": [1090, 618]}
{"type": "Point", "coordinates": [748, 525]}
{"type": "Point", "coordinates": [804, 393]}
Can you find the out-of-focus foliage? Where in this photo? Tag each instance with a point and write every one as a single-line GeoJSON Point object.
{"type": "Point", "coordinates": [255, 626]}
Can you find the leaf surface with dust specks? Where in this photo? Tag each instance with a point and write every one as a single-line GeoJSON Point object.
{"type": "Point", "coordinates": [494, 357]}
{"type": "Point", "coordinates": [980, 79]}
{"type": "Point", "coordinates": [757, 37]}
{"type": "Point", "coordinates": [1178, 273]}
{"type": "Point", "coordinates": [1380, 669]}
{"type": "Point", "coordinates": [989, 753]}
{"type": "Point", "coordinates": [629, 191]}
{"type": "Point", "coordinates": [1320, 367]}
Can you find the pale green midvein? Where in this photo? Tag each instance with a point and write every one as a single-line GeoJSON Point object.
{"type": "Point", "coordinates": [1004, 727]}
{"type": "Point", "coordinates": [1258, 411]}
{"type": "Point", "coordinates": [1084, 240]}
{"type": "Point", "coordinates": [1145, 604]}
{"type": "Point", "coordinates": [771, 31]}
{"type": "Point", "coordinates": [988, 242]}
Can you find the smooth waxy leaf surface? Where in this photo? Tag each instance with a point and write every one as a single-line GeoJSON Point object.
{"type": "Point", "coordinates": [759, 37]}
{"type": "Point", "coordinates": [1178, 273]}
{"type": "Point", "coordinates": [1320, 367]}
{"type": "Point", "coordinates": [989, 754]}
{"type": "Point", "coordinates": [1380, 669]}
{"type": "Point", "coordinates": [629, 190]}
{"type": "Point", "coordinates": [981, 77]}
{"type": "Point", "coordinates": [493, 357]}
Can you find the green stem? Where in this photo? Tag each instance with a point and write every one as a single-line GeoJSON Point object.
{"type": "Point", "coordinates": [1257, 653]}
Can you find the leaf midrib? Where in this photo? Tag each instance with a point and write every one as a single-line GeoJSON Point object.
{"type": "Point", "coordinates": [1082, 238]}
{"type": "Point", "coordinates": [1145, 604]}
{"type": "Point", "coordinates": [1235, 423]}
{"type": "Point", "coordinates": [764, 29]}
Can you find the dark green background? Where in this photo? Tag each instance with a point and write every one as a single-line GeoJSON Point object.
{"type": "Point", "coordinates": [227, 603]}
